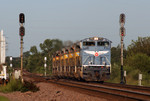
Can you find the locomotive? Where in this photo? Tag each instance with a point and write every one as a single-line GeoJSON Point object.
{"type": "Point", "coordinates": [88, 59]}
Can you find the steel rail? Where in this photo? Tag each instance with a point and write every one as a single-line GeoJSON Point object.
{"type": "Point", "coordinates": [128, 86]}
{"type": "Point", "coordinates": [137, 92]}
{"type": "Point", "coordinates": [96, 89]}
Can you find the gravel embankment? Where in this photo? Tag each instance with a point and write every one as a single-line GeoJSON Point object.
{"type": "Point", "coordinates": [50, 92]}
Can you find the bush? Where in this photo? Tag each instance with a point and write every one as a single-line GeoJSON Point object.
{"type": "Point", "coordinates": [115, 74]}
{"type": "Point", "coordinates": [139, 61]}
{"type": "Point", "coordinates": [29, 86]}
{"type": "Point", "coordinates": [132, 77]}
{"type": "Point", "coordinates": [146, 79]}
{"type": "Point", "coordinates": [13, 85]}
{"type": "Point", "coordinates": [17, 85]}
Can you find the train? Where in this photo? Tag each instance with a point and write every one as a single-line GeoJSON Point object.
{"type": "Point", "coordinates": [88, 59]}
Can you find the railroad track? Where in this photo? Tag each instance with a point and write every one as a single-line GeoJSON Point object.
{"type": "Point", "coordinates": [143, 89]}
{"type": "Point", "coordinates": [101, 90]}
{"type": "Point", "coordinates": [131, 87]}
{"type": "Point", "coordinates": [106, 92]}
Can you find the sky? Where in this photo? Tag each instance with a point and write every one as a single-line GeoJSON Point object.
{"type": "Point", "coordinates": [72, 20]}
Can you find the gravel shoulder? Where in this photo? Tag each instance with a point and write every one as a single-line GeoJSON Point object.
{"type": "Point", "coordinates": [50, 92]}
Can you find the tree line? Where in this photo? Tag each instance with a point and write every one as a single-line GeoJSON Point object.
{"type": "Point", "coordinates": [33, 60]}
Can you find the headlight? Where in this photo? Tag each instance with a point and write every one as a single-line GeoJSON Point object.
{"type": "Point", "coordinates": [104, 63]}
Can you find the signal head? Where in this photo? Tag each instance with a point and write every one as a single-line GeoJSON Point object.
{"type": "Point", "coordinates": [22, 31]}
{"type": "Point", "coordinates": [21, 18]}
{"type": "Point", "coordinates": [122, 19]}
{"type": "Point", "coordinates": [122, 31]}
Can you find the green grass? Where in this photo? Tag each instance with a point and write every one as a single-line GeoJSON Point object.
{"type": "Point", "coordinates": [2, 98]}
{"type": "Point", "coordinates": [17, 85]}
{"type": "Point", "coordinates": [13, 85]}
{"type": "Point", "coordinates": [131, 78]}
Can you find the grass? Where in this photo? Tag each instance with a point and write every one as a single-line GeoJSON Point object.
{"type": "Point", "coordinates": [13, 85]}
{"type": "Point", "coordinates": [2, 98]}
{"type": "Point", "coordinates": [17, 85]}
{"type": "Point", "coordinates": [131, 78]}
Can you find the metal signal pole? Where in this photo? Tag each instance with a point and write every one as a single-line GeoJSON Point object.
{"type": "Point", "coordinates": [122, 34]}
{"type": "Point", "coordinates": [21, 55]}
{"type": "Point", "coordinates": [122, 61]}
{"type": "Point", "coordinates": [21, 33]}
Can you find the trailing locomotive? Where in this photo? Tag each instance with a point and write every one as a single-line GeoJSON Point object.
{"type": "Point", "coordinates": [88, 59]}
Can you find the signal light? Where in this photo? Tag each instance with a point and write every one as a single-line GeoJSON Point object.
{"type": "Point", "coordinates": [22, 31]}
{"type": "Point", "coordinates": [122, 18]}
{"type": "Point", "coordinates": [122, 31]}
{"type": "Point", "coordinates": [21, 18]}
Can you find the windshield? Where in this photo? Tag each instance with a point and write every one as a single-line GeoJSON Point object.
{"type": "Point", "coordinates": [88, 43]}
{"type": "Point", "coordinates": [103, 44]}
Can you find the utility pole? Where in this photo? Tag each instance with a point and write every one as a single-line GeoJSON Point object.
{"type": "Point", "coordinates": [122, 34]}
{"type": "Point", "coordinates": [21, 33]}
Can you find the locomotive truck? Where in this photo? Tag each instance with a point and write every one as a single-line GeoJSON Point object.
{"type": "Point", "coordinates": [88, 59]}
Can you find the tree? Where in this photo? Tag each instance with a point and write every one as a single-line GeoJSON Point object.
{"type": "Point", "coordinates": [33, 50]}
{"type": "Point", "coordinates": [142, 45]}
{"type": "Point", "coordinates": [26, 55]}
{"type": "Point", "coordinates": [49, 47]}
{"type": "Point", "coordinates": [15, 62]}
{"type": "Point", "coordinates": [34, 60]}
{"type": "Point", "coordinates": [116, 54]}
{"type": "Point", "coordinates": [139, 54]}
{"type": "Point", "coordinates": [139, 61]}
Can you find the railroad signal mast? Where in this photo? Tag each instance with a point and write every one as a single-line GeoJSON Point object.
{"type": "Point", "coordinates": [21, 33]}
{"type": "Point", "coordinates": [122, 35]}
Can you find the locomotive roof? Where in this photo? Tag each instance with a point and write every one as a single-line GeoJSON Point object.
{"type": "Point", "coordinates": [95, 39]}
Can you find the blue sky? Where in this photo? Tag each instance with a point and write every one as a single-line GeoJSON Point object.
{"type": "Point", "coordinates": [72, 20]}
